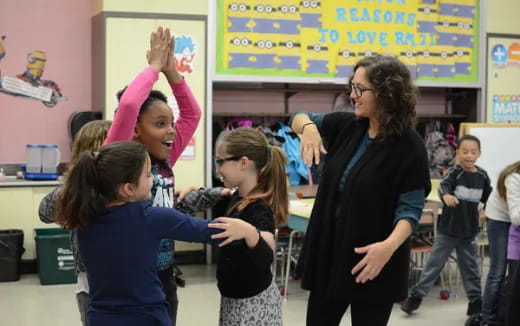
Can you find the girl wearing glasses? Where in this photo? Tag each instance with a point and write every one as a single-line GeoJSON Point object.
{"type": "Point", "coordinates": [247, 162]}
{"type": "Point", "coordinates": [372, 190]}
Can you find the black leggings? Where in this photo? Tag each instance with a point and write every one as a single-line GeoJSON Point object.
{"type": "Point", "coordinates": [327, 312]}
{"type": "Point", "coordinates": [169, 286]}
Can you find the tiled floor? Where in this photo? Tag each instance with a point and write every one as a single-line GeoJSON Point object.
{"type": "Point", "coordinates": [27, 303]}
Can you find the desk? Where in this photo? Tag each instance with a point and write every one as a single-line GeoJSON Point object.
{"type": "Point", "coordinates": [298, 220]}
{"type": "Point", "coordinates": [434, 193]}
{"type": "Point", "coordinates": [300, 209]}
{"type": "Point", "coordinates": [304, 191]}
{"type": "Point", "coordinates": [299, 214]}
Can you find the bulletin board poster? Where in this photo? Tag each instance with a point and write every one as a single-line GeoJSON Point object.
{"type": "Point", "coordinates": [503, 79]}
{"type": "Point", "coordinates": [436, 39]}
{"type": "Point", "coordinates": [127, 41]}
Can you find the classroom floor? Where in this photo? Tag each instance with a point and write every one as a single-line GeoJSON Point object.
{"type": "Point", "coordinates": [27, 303]}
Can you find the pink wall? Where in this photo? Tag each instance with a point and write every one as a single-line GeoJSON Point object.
{"type": "Point", "coordinates": [62, 29]}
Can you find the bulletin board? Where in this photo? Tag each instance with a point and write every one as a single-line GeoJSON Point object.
{"type": "Point", "coordinates": [499, 145]}
{"type": "Point", "coordinates": [503, 78]}
{"type": "Point", "coordinates": [437, 39]}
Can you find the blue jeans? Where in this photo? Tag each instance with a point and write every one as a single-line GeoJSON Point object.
{"type": "Point", "coordinates": [466, 259]}
{"type": "Point", "coordinates": [498, 233]}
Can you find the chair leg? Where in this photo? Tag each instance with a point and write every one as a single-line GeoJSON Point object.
{"type": "Point", "coordinates": [276, 248]}
{"type": "Point", "coordinates": [288, 264]}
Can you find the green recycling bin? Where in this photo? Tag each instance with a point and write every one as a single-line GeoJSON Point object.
{"type": "Point", "coordinates": [54, 256]}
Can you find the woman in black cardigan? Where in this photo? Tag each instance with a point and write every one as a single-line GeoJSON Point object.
{"type": "Point", "coordinates": [370, 198]}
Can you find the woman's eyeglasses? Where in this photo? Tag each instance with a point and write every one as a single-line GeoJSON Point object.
{"type": "Point", "coordinates": [358, 91]}
{"type": "Point", "coordinates": [221, 161]}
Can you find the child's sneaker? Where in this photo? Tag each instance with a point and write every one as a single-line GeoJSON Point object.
{"type": "Point", "coordinates": [411, 304]}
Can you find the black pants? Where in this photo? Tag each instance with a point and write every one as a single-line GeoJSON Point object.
{"type": "Point", "coordinates": [169, 286]}
{"type": "Point", "coordinates": [327, 312]}
{"type": "Point", "coordinates": [513, 294]}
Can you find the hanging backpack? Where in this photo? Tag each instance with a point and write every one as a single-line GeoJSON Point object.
{"type": "Point", "coordinates": [441, 155]}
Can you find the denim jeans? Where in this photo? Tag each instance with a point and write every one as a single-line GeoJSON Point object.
{"type": "Point", "coordinates": [466, 259]}
{"type": "Point", "coordinates": [498, 233]}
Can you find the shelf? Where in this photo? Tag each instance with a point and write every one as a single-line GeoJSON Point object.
{"type": "Point", "coordinates": [442, 116]}
{"type": "Point", "coordinates": [273, 114]}
{"type": "Point", "coordinates": [251, 114]}
{"type": "Point", "coordinates": [277, 87]}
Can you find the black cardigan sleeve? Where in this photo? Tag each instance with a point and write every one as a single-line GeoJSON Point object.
{"type": "Point", "coordinates": [414, 168]}
{"type": "Point", "coordinates": [260, 216]}
{"type": "Point", "coordinates": [333, 124]}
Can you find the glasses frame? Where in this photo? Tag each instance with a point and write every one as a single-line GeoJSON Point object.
{"type": "Point", "coordinates": [221, 161]}
{"type": "Point", "coordinates": [358, 91]}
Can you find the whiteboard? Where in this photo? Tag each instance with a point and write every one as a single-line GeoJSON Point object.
{"type": "Point", "coordinates": [499, 146]}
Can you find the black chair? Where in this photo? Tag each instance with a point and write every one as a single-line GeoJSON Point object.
{"type": "Point", "coordinates": [79, 119]}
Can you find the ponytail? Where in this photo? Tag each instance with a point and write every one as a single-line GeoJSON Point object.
{"type": "Point", "coordinates": [94, 181]}
{"type": "Point", "coordinates": [79, 201]}
{"type": "Point", "coordinates": [270, 162]}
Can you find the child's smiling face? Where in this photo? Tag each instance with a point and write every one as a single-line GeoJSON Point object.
{"type": "Point", "coordinates": [155, 129]}
{"type": "Point", "coordinates": [468, 153]}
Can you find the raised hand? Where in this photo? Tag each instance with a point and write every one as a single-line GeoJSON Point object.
{"type": "Point", "coordinates": [310, 145]}
{"type": "Point", "coordinates": [158, 54]}
{"type": "Point", "coordinates": [170, 68]}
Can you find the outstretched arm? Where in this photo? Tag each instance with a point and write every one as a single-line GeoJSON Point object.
{"type": "Point", "coordinates": [310, 144]}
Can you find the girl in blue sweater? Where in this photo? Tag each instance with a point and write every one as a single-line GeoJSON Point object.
{"type": "Point", "coordinates": [106, 198]}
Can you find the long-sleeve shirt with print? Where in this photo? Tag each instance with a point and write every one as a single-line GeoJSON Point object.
{"type": "Point", "coordinates": [193, 202]}
{"type": "Point", "coordinates": [118, 251]}
{"type": "Point", "coordinates": [470, 188]}
{"type": "Point", "coordinates": [122, 128]}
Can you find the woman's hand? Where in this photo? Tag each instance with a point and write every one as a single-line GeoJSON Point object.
{"type": "Point", "coordinates": [376, 256]}
{"type": "Point", "coordinates": [310, 145]}
{"type": "Point", "coordinates": [158, 54]}
{"type": "Point", "coordinates": [235, 229]}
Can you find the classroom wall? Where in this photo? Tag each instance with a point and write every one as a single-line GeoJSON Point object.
{"type": "Point", "coordinates": [502, 16]}
{"type": "Point", "coordinates": [20, 211]}
{"type": "Point", "coordinates": [62, 29]}
{"type": "Point", "coordinates": [192, 7]}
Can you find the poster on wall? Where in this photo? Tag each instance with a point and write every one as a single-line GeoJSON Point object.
{"type": "Point", "coordinates": [29, 84]}
{"type": "Point", "coordinates": [503, 84]}
{"type": "Point", "coordinates": [185, 50]}
{"type": "Point", "coordinates": [436, 39]}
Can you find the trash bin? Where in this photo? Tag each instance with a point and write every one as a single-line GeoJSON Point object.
{"type": "Point", "coordinates": [11, 250]}
{"type": "Point", "coordinates": [55, 257]}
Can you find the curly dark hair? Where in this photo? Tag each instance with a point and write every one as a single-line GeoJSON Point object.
{"type": "Point", "coordinates": [154, 95]}
{"type": "Point", "coordinates": [395, 92]}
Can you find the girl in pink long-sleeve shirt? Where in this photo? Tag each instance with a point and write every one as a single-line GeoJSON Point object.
{"type": "Point", "coordinates": [144, 116]}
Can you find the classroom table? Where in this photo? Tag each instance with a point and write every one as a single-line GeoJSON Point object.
{"type": "Point", "coordinates": [300, 208]}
